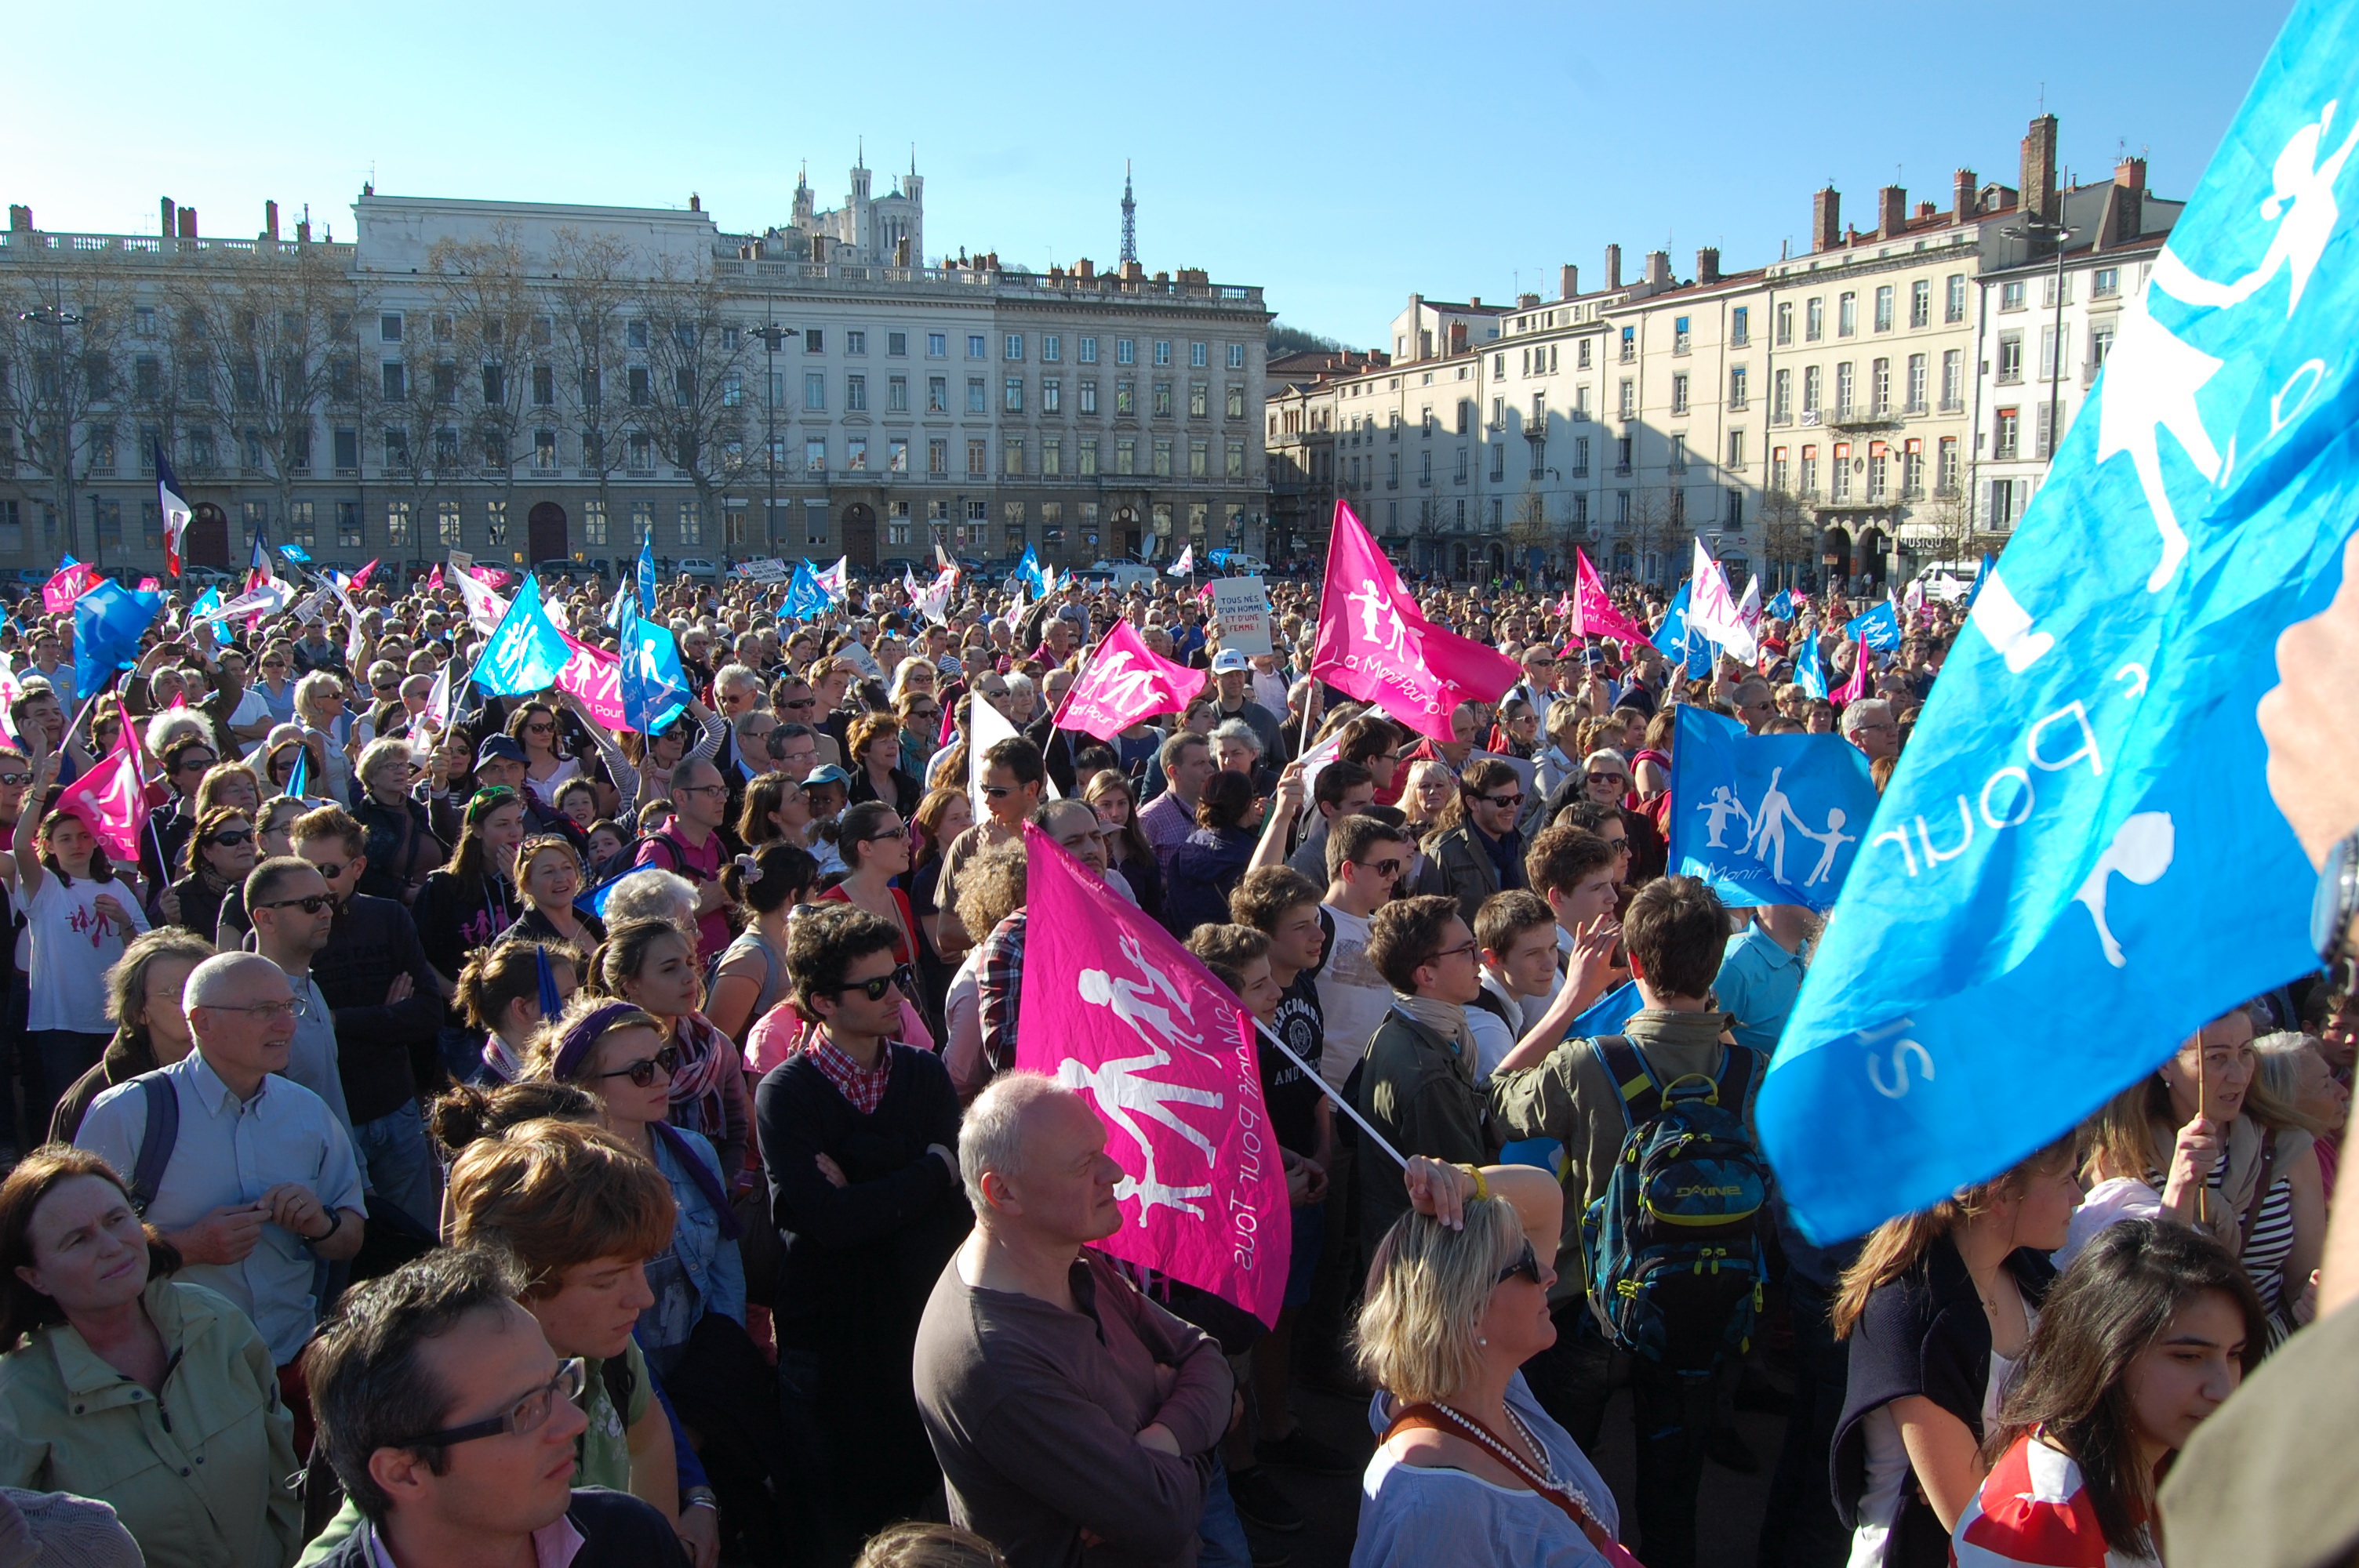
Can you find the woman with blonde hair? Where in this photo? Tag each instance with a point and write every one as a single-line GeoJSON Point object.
{"type": "Point", "coordinates": [548, 880]}
{"type": "Point", "coordinates": [2295, 1074]}
{"type": "Point", "coordinates": [2201, 1140]}
{"type": "Point", "coordinates": [1939, 1309]}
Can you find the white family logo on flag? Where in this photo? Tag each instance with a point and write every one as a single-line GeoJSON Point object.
{"type": "Point", "coordinates": [1380, 623]}
{"type": "Point", "coordinates": [1765, 826]}
{"type": "Point", "coordinates": [1145, 1006]}
{"type": "Point", "coordinates": [1119, 684]}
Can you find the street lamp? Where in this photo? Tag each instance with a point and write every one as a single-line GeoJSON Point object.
{"type": "Point", "coordinates": [771, 336]}
{"type": "Point", "coordinates": [2055, 231]}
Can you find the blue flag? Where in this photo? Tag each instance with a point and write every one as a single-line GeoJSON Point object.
{"type": "Point", "coordinates": [298, 777]}
{"type": "Point", "coordinates": [1989, 565]}
{"type": "Point", "coordinates": [109, 621]}
{"type": "Point", "coordinates": [1810, 669]}
{"type": "Point", "coordinates": [296, 553]}
{"type": "Point", "coordinates": [1780, 608]}
{"type": "Point", "coordinates": [655, 687]}
{"type": "Point", "coordinates": [2024, 932]}
{"type": "Point", "coordinates": [1028, 568]}
{"type": "Point", "coordinates": [1880, 626]}
{"type": "Point", "coordinates": [206, 602]}
{"type": "Point", "coordinates": [805, 598]}
{"type": "Point", "coordinates": [526, 650]}
{"type": "Point", "coordinates": [551, 1004]}
{"type": "Point", "coordinates": [1768, 818]}
{"type": "Point", "coordinates": [1607, 1015]}
{"type": "Point", "coordinates": [1671, 636]}
{"type": "Point", "coordinates": [646, 575]}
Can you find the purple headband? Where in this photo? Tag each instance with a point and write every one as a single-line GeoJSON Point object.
{"type": "Point", "coordinates": [587, 1030]}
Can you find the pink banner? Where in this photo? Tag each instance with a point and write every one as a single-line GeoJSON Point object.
{"type": "Point", "coordinates": [149, 585]}
{"type": "Point", "coordinates": [1593, 614]}
{"type": "Point", "coordinates": [360, 577]}
{"type": "Point", "coordinates": [57, 595]}
{"type": "Point", "coordinates": [1115, 1009]}
{"type": "Point", "coordinates": [1375, 644]}
{"type": "Point", "coordinates": [1125, 683]}
{"type": "Point", "coordinates": [434, 582]}
{"type": "Point", "coordinates": [1857, 686]}
{"type": "Point", "coordinates": [110, 802]}
{"type": "Point", "coordinates": [490, 576]}
{"type": "Point", "coordinates": [595, 677]}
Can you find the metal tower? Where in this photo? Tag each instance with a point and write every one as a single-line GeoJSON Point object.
{"type": "Point", "coordinates": [1129, 218]}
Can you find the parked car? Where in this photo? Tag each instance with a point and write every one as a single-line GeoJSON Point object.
{"type": "Point", "coordinates": [695, 566]}
{"type": "Point", "coordinates": [192, 576]}
{"type": "Point", "coordinates": [1239, 564]}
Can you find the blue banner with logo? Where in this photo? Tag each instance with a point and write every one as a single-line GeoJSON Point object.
{"type": "Point", "coordinates": [655, 686]}
{"type": "Point", "coordinates": [526, 650]}
{"type": "Point", "coordinates": [109, 621]}
{"type": "Point", "coordinates": [1766, 818]}
{"type": "Point", "coordinates": [2079, 863]}
{"type": "Point", "coordinates": [1880, 626]}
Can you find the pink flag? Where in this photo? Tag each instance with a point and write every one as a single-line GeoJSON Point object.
{"type": "Point", "coordinates": [1594, 612]}
{"type": "Point", "coordinates": [149, 585]}
{"type": "Point", "coordinates": [490, 576]}
{"type": "Point", "coordinates": [434, 583]}
{"type": "Point", "coordinates": [360, 577]}
{"type": "Point", "coordinates": [595, 677]}
{"type": "Point", "coordinates": [111, 802]}
{"type": "Point", "coordinates": [1857, 686]}
{"type": "Point", "coordinates": [1115, 1009]}
{"type": "Point", "coordinates": [1125, 682]}
{"type": "Point", "coordinates": [1376, 645]}
{"type": "Point", "coordinates": [58, 594]}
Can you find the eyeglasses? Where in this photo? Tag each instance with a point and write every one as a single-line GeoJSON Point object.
{"type": "Point", "coordinates": [543, 727]}
{"type": "Point", "coordinates": [265, 1010]}
{"type": "Point", "coordinates": [384, 685]}
{"type": "Point", "coordinates": [874, 990]}
{"type": "Point", "coordinates": [1385, 869]}
{"type": "Point", "coordinates": [310, 904]}
{"type": "Point", "coordinates": [194, 764]}
{"type": "Point", "coordinates": [1616, 779]}
{"type": "Point", "coordinates": [997, 791]}
{"type": "Point", "coordinates": [643, 1072]}
{"type": "Point", "coordinates": [230, 838]}
{"type": "Point", "coordinates": [702, 789]}
{"type": "Point", "coordinates": [806, 702]}
{"type": "Point", "coordinates": [527, 1414]}
{"type": "Point", "coordinates": [1502, 801]}
{"type": "Point", "coordinates": [1463, 951]}
{"type": "Point", "coordinates": [901, 832]}
{"type": "Point", "coordinates": [1525, 1263]}
{"type": "Point", "coordinates": [15, 781]}
{"type": "Point", "coordinates": [925, 713]}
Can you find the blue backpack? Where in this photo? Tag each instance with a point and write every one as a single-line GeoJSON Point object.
{"type": "Point", "coordinates": [1674, 1242]}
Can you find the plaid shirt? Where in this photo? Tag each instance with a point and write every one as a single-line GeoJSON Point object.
{"type": "Point", "coordinates": [863, 1086]}
{"type": "Point", "coordinates": [999, 986]}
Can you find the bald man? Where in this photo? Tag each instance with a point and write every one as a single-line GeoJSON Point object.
{"type": "Point", "coordinates": [262, 1184]}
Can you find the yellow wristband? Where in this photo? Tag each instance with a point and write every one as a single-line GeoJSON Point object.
{"type": "Point", "coordinates": [1482, 1187]}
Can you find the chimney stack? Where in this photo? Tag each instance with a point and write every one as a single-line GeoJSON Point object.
{"type": "Point", "coordinates": [2130, 174]}
{"type": "Point", "coordinates": [2040, 169]}
{"type": "Point", "coordinates": [19, 218]}
{"type": "Point", "coordinates": [695, 203]}
{"type": "Point", "coordinates": [1528, 301]}
{"type": "Point", "coordinates": [1707, 264]}
{"type": "Point", "coordinates": [1568, 281]}
{"type": "Point", "coordinates": [1925, 210]}
{"type": "Point", "coordinates": [167, 218]}
{"type": "Point", "coordinates": [1826, 219]}
{"type": "Point", "coordinates": [1085, 269]}
{"type": "Point", "coordinates": [1474, 302]}
{"type": "Point", "coordinates": [1961, 195]}
{"type": "Point", "coordinates": [1891, 211]}
{"type": "Point", "coordinates": [1614, 267]}
{"type": "Point", "coordinates": [1659, 269]}
{"type": "Point", "coordinates": [270, 221]}
{"type": "Point", "coordinates": [188, 223]}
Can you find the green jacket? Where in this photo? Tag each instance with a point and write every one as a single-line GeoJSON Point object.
{"type": "Point", "coordinates": [1569, 1095]}
{"type": "Point", "coordinates": [200, 1476]}
{"type": "Point", "coordinates": [1417, 1089]}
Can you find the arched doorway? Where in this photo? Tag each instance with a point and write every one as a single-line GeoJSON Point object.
{"type": "Point", "coordinates": [546, 533]}
{"type": "Point", "coordinates": [860, 533]}
{"type": "Point", "coordinates": [1868, 560]}
{"type": "Point", "coordinates": [1834, 554]}
{"type": "Point", "coordinates": [206, 544]}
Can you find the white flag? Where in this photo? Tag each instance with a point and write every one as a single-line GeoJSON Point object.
{"type": "Point", "coordinates": [1712, 608]}
{"type": "Point", "coordinates": [986, 727]}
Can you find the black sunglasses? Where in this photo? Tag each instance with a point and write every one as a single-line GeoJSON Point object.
{"type": "Point", "coordinates": [1525, 1263]}
{"type": "Point", "coordinates": [874, 990]}
{"type": "Point", "coordinates": [310, 903]}
{"type": "Point", "coordinates": [231, 838]}
{"type": "Point", "coordinates": [643, 1072]}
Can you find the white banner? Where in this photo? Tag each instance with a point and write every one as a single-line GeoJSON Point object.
{"type": "Point", "coordinates": [1241, 613]}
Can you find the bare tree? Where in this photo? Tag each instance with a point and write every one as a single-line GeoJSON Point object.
{"type": "Point", "coordinates": [1655, 533]}
{"type": "Point", "coordinates": [490, 313]}
{"type": "Point", "coordinates": [412, 403]}
{"type": "Point", "coordinates": [64, 321]}
{"type": "Point", "coordinates": [698, 364]}
{"type": "Point", "coordinates": [1789, 535]}
{"type": "Point", "coordinates": [1527, 526]}
{"type": "Point", "coordinates": [1942, 529]}
{"type": "Point", "coordinates": [589, 299]}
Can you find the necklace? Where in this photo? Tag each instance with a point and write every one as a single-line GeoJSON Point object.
{"type": "Point", "coordinates": [1545, 1470]}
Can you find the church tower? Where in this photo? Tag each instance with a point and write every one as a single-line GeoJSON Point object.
{"type": "Point", "coordinates": [862, 233]}
{"type": "Point", "coordinates": [1129, 218]}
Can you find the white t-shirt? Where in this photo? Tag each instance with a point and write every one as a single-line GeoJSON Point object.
{"type": "Point", "coordinates": [1352, 997]}
{"type": "Point", "coordinates": [70, 947]}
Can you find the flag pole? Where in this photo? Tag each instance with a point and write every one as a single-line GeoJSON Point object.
{"type": "Point", "coordinates": [1330, 1092]}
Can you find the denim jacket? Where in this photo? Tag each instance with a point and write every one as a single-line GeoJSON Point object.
{"type": "Point", "coordinates": [712, 1259]}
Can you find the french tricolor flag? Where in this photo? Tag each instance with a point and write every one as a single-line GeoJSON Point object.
{"type": "Point", "coordinates": [174, 507]}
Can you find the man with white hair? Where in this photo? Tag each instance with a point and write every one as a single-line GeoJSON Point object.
{"type": "Point", "coordinates": [260, 1185]}
{"type": "Point", "coordinates": [1065, 1407]}
{"type": "Point", "coordinates": [1869, 725]}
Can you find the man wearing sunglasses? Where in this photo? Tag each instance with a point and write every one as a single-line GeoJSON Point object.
{"type": "Point", "coordinates": [1484, 853]}
{"type": "Point", "coordinates": [453, 1423]}
{"type": "Point", "coordinates": [291, 909]}
{"type": "Point", "coordinates": [859, 1138]}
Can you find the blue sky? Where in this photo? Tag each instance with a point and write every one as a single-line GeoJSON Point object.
{"type": "Point", "coordinates": [1341, 157]}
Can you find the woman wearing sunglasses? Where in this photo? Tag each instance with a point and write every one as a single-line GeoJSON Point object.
{"type": "Point", "coordinates": [875, 843]}
{"type": "Point", "coordinates": [651, 964]}
{"type": "Point", "coordinates": [546, 767]}
{"type": "Point", "coordinates": [219, 855]}
{"type": "Point", "coordinates": [1469, 1469]}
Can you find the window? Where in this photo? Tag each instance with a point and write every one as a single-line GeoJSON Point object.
{"type": "Point", "coordinates": [938, 346]}
{"type": "Point", "coordinates": [347, 448]}
{"type": "Point", "coordinates": [815, 455]}
{"type": "Point", "coordinates": [1844, 388]}
{"type": "Point", "coordinates": [642, 455]}
{"type": "Point", "coordinates": [2042, 436]}
{"type": "Point", "coordinates": [1954, 380]}
{"type": "Point", "coordinates": [1679, 454]}
{"type": "Point", "coordinates": [1917, 363]}
{"type": "Point", "coordinates": [496, 522]}
{"type": "Point", "coordinates": [897, 395]}
{"type": "Point", "coordinates": [1126, 454]}
{"type": "Point", "coordinates": [897, 455]}
{"type": "Point", "coordinates": [1012, 396]}
{"type": "Point", "coordinates": [1425, 468]}
{"type": "Point", "coordinates": [1053, 395]}
{"type": "Point", "coordinates": [1814, 320]}
{"type": "Point", "coordinates": [2048, 291]}
{"type": "Point", "coordinates": [1809, 473]}
{"type": "Point", "coordinates": [1782, 328]}
{"type": "Point", "coordinates": [642, 387]}
{"type": "Point", "coordinates": [1953, 302]}
{"type": "Point", "coordinates": [396, 379]}
{"type": "Point", "coordinates": [855, 394]}
{"type": "Point", "coordinates": [1089, 347]}
{"type": "Point", "coordinates": [593, 522]}
{"type": "Point", "coordinates": [1011, 453]}
{"type": "Point", "coordinates": [938, 456]}
{"type": "Point", "coordinates": [1839, 474]}
{"type": "Point", "coordinates": [853, 343]}
{"type": "Point", "coordinates": [1912, 471]}
{"type": "Point", "coordinates": [938, 394]}
{"type": "Point", "coordinates": [397, 447]}
{"type": "Point", "coordinates": [448, 524]}
{"type": "Point", "coordinates": [1879, 462]}
{"type": "Point", "coordinates": [544, 387]}
{"type": "Point", "coordinates": [2106, 283]}
{"type": "Point", "coordinates": [1780, 470]}
{"type": "Point", "coordinates": [1920, 302]}
{"type": "Point", "coordinates": [1781, 396]}
{"type": "Point", "coordinates": [1736, 388]}
{"type": "Point", "coordinates": [977, 347]}
{"type": "Point", "coordinates": [1629, 344]}
{"type": "Point", "coordinates": [388, 327]}
{"type": "Point", "coordinates": [1053, 348]}
{"type": "Point", "coordinates": [1884, 308]}
{"type": "Point", "coordinates": [1628, 405]}
{"type": "Point", "coordinates": [1498, 461]}
{"type": "Point", "coordinates": [1125, 351]}
{"type": "Point", "coordinates": [1013, 347]}
{"type": "Point", "coordinates": [2010, 358]}
{"type": "Point", "coordinates": [544, 451]}
{"type": "Point", "coordinates": [1847, 316]}
{"type": "Point", "coordinates": [1580, 457]}
{"type": "Point", "coordinates": [1583, 361]}
{"type": "Point", "coordinates": [1736, 449]}
{"type": "Point", "coordinates": [1052, 456]}
{"type": "Point", "coordinates": [814, 340]}
{"type": "Point", "coordinates": [1088, 398]}
{"type": "Point", "coordinates": [1680, 392]}
{"type": "Point", "coordinates": [1235, 407]}
{"type": "Point", "coordinates": [2010, 296]}
{"type": "Point", "coordinates": [1680, 336]}
{"type": "Point", "coordinates": [1162, 352]}
{"type": "Point", "coordinates": [1236, 356]}
{"type": "Point", "coordinates": [1879, 387]}
{"type": "Point", "coordinates": [2100, 343]}
{"type": "Point", "coordinates": [1199, 397]}
{"type": "Point", "coordinates": [1740, 327]}
{"type": "Point", "coordinates": [897, 346]}
{"type": "Point", "coordinates": [1126, 397]}
{"type": "Point", "coordinates": [1200, 460]}
{"type": "Point", "coordinates": [1945, 472]}
{"type": "Point", "coordinates": [1811, 378]}
{"type": "Point", "coordinates": [2007, 439]}
{"type": "Point", "coordinates": [1163, 400]}
{"type": "Point", "coordinates": [974, 397]}
{"type": "Point", "coordinates": [815, 389]}
{"type": "Point", "coordinates": [1624, 454]}
{"type": "Point", "coordinates": [1163, 457]}
{"type": "Point", "coordinates": [978, 459]}
{"type": "Point", "coordinates": [1199, 355]}
{"type": "Point", "coordinates": [2052, 349]}
{"type": "Point", "coordinates": [855, 454]}
{"type": "Point", "coordinates": [1086, 458]}
{"type": "Point", "coordinates": [643, 520]}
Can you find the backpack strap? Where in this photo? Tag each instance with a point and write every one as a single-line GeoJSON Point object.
{"type": "Point", "coordinates": [156, 1143]}
{"type": "Point", "coordinates": [1640, 1092]}
{"type": "Point", "coordinates": [707, 1180]}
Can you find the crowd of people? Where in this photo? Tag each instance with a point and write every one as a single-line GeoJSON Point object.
{"type": "Point", "coordinates": [463, 1133]}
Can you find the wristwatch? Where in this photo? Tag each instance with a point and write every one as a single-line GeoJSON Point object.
{"type": "Point", "coordinates": [2336, 903]}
